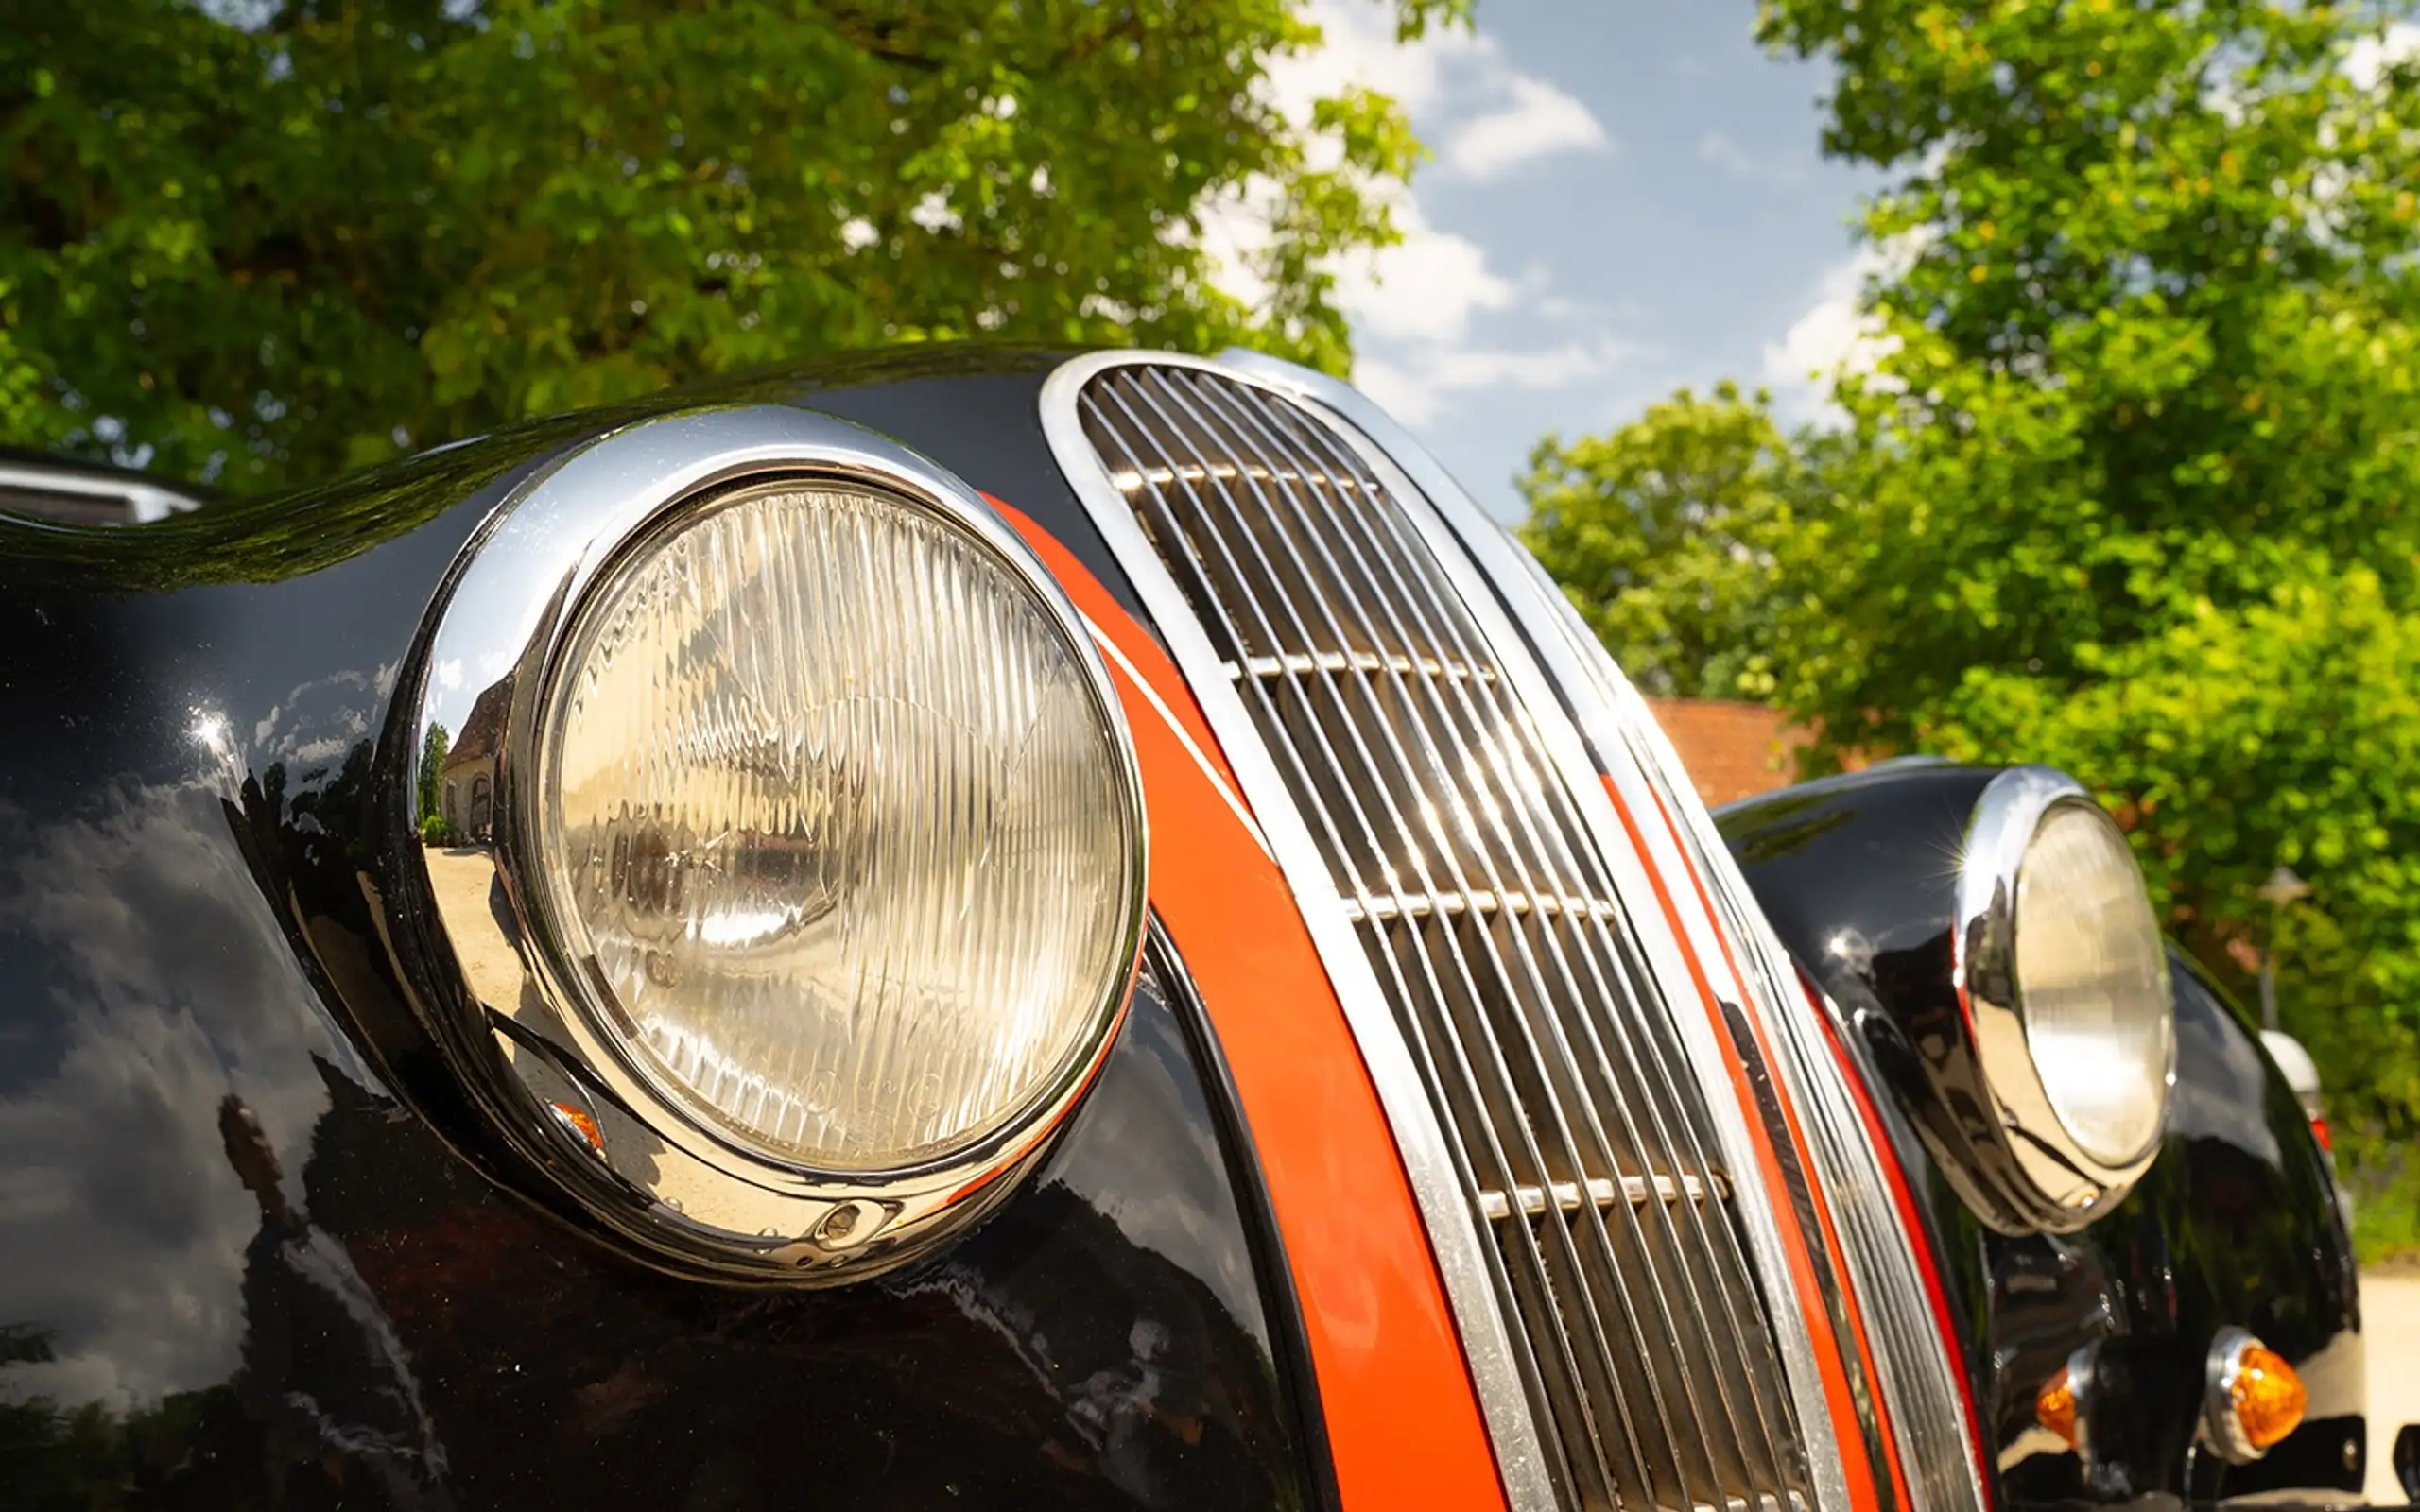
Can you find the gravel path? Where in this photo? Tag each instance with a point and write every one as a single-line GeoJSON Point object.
{"type": "Point", "coordinates": [2391, 1342]}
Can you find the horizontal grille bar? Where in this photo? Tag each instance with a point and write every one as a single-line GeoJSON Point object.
{"type": "Point", "coordinates": [1635, 1190]}
{"type": "Point", "coordinates": [1222, 472]}
{"type": "Point", "coordinates": [1287, 666]}
{"type": "Point", "coordinates": [1415, 905]}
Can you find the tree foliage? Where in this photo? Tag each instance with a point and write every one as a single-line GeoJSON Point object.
{"type": "Point", "coordinates": [258, 242]}
{"type": "Point", "coordinates": [2136, 484]}
{"type": "Point", "coordinates": [2129, 480]}
{"type": "Point", "coordinates": [1663, 533]}
{"type": "Point", "coordinates": [430, 790]}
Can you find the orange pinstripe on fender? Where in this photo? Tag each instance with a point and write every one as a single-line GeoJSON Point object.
{"type": "Point", "coordinates": [1403, 1424]}
{"type": "Point", "coordinates": [1927, 1261]}
{"type": "Point", "coordinates": [1857, 1465]}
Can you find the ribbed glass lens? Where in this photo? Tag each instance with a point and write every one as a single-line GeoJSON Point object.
{"type": "Point", "coordinates": [2092, 974]}
{"type": "Point", "coordinates": [831, 806]}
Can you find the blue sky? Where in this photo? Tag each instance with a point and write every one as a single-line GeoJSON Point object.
{"type": "Point", "coordinates": [1625, 197]}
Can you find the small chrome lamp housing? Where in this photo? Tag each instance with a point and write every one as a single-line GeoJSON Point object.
{"type": "Point", "coordinates": [2062, 978]}
{"type": "Point", "coordinates": [798, 890]}
{"type": "Point", "coordinates": [2252, 1399]}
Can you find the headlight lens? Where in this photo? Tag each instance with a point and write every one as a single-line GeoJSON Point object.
{"type": "Point", "coordinates": [840, 847]}
{"type": "Point", "coordinates": [2092, 982]}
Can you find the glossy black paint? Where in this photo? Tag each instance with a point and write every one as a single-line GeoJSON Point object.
{"type": "Point", "coordinates": [256, 1252]}
{"type": "Point", "coordinates": [2235, 1223]}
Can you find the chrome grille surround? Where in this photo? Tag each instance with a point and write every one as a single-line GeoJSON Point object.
{"type": "Point", "coordinates": [1463, 874]}
{"type": "Point", "coordinates": [1919, 1368]}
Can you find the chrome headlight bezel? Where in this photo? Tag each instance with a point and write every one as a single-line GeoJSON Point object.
{"type": "Point", "coordinates": [2054, 1178]}
{"type": "Point", "coordinates": [522, 1032]}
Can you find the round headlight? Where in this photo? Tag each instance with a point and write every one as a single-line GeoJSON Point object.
{"type": "Point", "coordinates": [2092, 982]}
{"type": "Point", "coordinates": [791, 866]}
{"type": "Point", "coordinates": [826, 799]}
{"type": "Point", "coordinates": [2064, 977]}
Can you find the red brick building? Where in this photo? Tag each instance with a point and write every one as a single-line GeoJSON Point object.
{"type": "Point", "coordinates": [1731, 749]}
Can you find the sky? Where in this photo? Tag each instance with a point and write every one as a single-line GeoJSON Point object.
{"type": "Point", "coordinates": [1624, 198]}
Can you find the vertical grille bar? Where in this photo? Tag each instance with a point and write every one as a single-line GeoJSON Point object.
{"type": "Point", "coordinates": [1492, 923]}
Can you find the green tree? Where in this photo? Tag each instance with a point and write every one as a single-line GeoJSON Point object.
{"type": "Point", "coordinates": [255, 252]}
{"type": "Point", "coordinates": [1663, 532]}
{"type": "Point", "coordinates": [2133, 485]}
{"type": "Point", "coordinates": [433, 746]}
{"type": "Point", "coordinates": [2129, 480]}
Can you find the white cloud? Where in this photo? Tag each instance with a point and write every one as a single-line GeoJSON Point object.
{"type": "Point", "coordinates": [1819, 342]}
{"type": "Point", "coordinates": [1425, 288]}
{"type": "Point", "coordinates": [1417, 307]}
{"type": "Point", "coordinates": [449, 673]}
{"type": "Point", "coordinates": [1358, 48]}
{"type": "Point", "coordinates": [1495, 117]}
{"type": "Point", "coordinates": [1725, 154]}
{"type": "Point", "coordinates": [123, 1229]}
{"type": "Point", "coordinates": [1834, 335]}
{"type": "Point", "coordinates": [1234, 228]}
{"type": "Point", "coordinates": [1538, 122]}
{"type": "Point", "coordinates": [1415, 389]}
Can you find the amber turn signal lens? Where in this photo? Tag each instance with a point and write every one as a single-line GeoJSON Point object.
{"type": "Point", "coordinates": [2055, 1407]}
{"type": "Point", "coordinates": [579, 1123]}
{"type": "Point", "coordinates": [2269, 1397]}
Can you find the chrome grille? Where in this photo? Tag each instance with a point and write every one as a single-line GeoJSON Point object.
{"type": "Point", "coordinates": [1919, 1368]}
{"type": "Point", "coordinates": [1573, 1120]}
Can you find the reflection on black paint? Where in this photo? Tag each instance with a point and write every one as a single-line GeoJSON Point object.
{"type": "Point", "coordinates": [409, 1338]}
{"type": "Point", "coordinates": [323, 1372]}
{"type": "Point", "coordinates": [191, 909]}
{"type": "Point", "coordinates": [412, 1339]}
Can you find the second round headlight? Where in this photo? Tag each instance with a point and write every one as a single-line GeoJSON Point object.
{"type": "Point", "coordinates": [2064, 977]}
{"type": "Point", "coordinates": [842, 847]}
{"type": "Point", "coordinates": [2092, 984]}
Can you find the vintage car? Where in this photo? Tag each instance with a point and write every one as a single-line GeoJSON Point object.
{"type": "Point", "coordinates": [1025, 930]}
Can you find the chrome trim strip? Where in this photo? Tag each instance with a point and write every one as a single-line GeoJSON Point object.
{"type": "Point", "coordinates": [1467, 542]}
{"type": "Point", "coordinates": [1415, 904]}
{"type": "Point", "coordinates": [1322, 540]}
{"type": "Point", "coordinates": [1925, 1402]}
{"type": "Point", "coordinates": [1296, 666]}
{"type": "Point", "coordinates": [1454, 1230]}
{"type": "Point", "coordinates": [144, 502]}
{"type": "Point", "coordinates": [512, 1015]}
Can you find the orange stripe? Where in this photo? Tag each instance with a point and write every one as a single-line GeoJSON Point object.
{"type": "Point", "coordinates": [1798, 1138]}
{"type": "Point", "coordinates": [1857, 1468]}
{"type": "Point", "coordinates": [1403, 1422]}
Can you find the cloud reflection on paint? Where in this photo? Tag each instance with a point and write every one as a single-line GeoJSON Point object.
{"type": "Point", "coordinates": [149, 979]}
